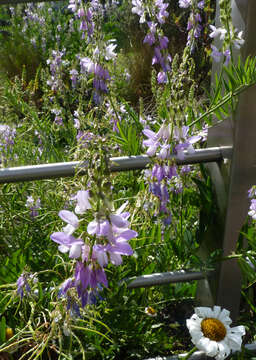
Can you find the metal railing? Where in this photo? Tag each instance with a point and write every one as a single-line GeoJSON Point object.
{"type": "Point", "coordinates": [231, 193]}
{"type": "Point", "coordinates": [166, 278]}
{"type": "Point", "coordinates": [125, 163]}
{"type": "Point", "coordinates": [200, 355]}
{"type": "Point", "coordinates": [15, 2]}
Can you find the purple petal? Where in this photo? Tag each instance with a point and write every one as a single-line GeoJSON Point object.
{"type": "Point", "coordinates": [116, 259]}
{"type": "Point", "coordinates": [149, 142]}
{"type": "Point", "coordinates": [82, 202]}
{"type": "Point", "coordinates": [82, 275]}
{"type": "Point", "coordinates": [122, 248]}
{"type": "Point", "coordinates": [99, 228]}
{"type": "Point", "coordinates": [69, 217]}
{"type": "Point", "coordinates": [127, 235]}
{"type": "Point", "coordinates": [152, 150]}
{"type": "Point", "coordinates": [99, 252]}
{"type": "Point", "coordinates": [194, 139]}
{"type": "Point", "coordinates": [104, 228]}
{"type": "Point", "coordinates": [101, 277]}
{"type": "Point", "coordinates": [150, 134]}
{"type": "Point", "coordinates": [118, 221]}
{"type": "Point", "coordinates": [62, 238]}
{"type": "Point", "coordinates": [92, 227]}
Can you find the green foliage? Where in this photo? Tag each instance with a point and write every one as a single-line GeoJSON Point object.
{"type": "Point", "coordinates": [117, 327]}
{"type": "Point", "coordinates": [235, 80]}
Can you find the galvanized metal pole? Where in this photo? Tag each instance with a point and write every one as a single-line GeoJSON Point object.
{"type": "Point", "coordinates": [232, 180]}
{"type": "Point", "coordinates": [242, 176]}
{"type": "Point", "coordinates": [166, 278]}
{"type": "Point", "coordinates": [56, 170]}
{"type": "Point", "coordinates": [15, 2]}
{"type": "Point", "coordinates": [200, 355]}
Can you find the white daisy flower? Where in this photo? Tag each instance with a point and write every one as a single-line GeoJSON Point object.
{"type": "Point", "coordinates": [150, 311]}
{"type": "Point", "coordinates": [211, 332]}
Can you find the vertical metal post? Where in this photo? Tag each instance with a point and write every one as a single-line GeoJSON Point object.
{"type": "Point", "coordinates": [242, 177]}
{"type": "Point", "coordinates": [233, 179]}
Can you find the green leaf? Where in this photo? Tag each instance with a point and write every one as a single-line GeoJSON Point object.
{"type": "Point", "coordinates": [2, 329]}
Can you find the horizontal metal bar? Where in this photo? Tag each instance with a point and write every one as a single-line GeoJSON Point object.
{"type": "Point", "coordinates": [213, 154]}
{"type": "Point", "coordinates": [166, 278]}
{"type": "Point", "coordinates": [14, 2]}
{"type": "Point", "coordinates": [65, 169]}
{"type": "Point", "coordinates": [199, 355]}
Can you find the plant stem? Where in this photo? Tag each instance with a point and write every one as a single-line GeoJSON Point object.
{"type": "Point", "coordinates": [189, 353]}
{"type": "Point", "coordinates": [226, 98]}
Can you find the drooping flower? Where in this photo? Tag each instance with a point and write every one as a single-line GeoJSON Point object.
{"type": "Point", "coordinates": [227, 56]}
{"type": "Point", "coordinates": [71, 219]}
{"type": "Point", "coordinates": [239, 41]}
{"type": "Point", "coordinates": [184, 3]}
{"type": "Point", "coordinates": [83, 202]}
{"type": "Point", "coordinates": [221, 32]}
{"type": "Point", "coordinates": [162, 14]}
{"type": "Point", "coordinates": [252, 192]}
{"type": "Point", "coordinates": [184, 141]}
{"type": "Point", "coordinates": [24, 283]}
{"type": "Point", "coordinates": [211, 332]}
{"type": "Point", "coordinates": [138, 8]}
{"type": "Point", "coordinates": [156, 140]}
{"type": "Point", "coordinates": [252, 211]}
{"type": "Point", "coordinates": [65, 286]}
{"type": "Point", "coordinates": [88, 277]}
{"type": "Point", "coordinates": [68, 243]}
{"type": "Point", "coordinates": [7, 135]}
{"type": "Point", "coordinates": [73, 76]}
{"type": "Point", "coordinates": [110, 54]}
{"type": "Point", "coordinates": [33, 205]}
{"type": "Point", "coordinates": [216, 54]}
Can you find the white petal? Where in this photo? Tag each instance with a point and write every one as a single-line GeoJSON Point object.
{"type": "Point", "coordinates": [194, 323]}
{"type": "Point", "coordinates": [224, 349]}
{"type": "Point", "coordinates": [83, 202]}
{"type": "Point", "coordinates": [92, 227]}
{"type": "Point", "coordinates": [203, 312]}
{"type": "Point", "coordinates": [212, 348]}
{"type": "Point", "coordinates": [63, 248]}
{"type": "Point", "coordinates": [102, 258]}
{"type": "Point", "coordinates": [234, 341]}
{"type": "Point", "coordinates": [216, 311]}
{"type": "Point", "coordinates": [121, 209]}
{"type": "Point", "coordinates": [224, 315]}
{"type": "Point", "coordinates": [203, 344]}
{"type": "Point", "coordinates": [68, 229]}
{"type": "Point", "coordinates": [238, 330]}
{"type": "Point", "coordinates": [75, 251]}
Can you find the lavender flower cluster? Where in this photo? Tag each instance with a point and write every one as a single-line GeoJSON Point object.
{"type": "Point", "coordinates": [156, 13]}
{"type": "Point", "coordinates": [252, 197]}
{"type": "Point", "coordinates": [164, 175]}
{"type": "Point", "coordinates": [7, 136]}
{"type": "Point", "coordinates": [104, 241]}
{"type": "Point", "coordinates": [25, 282]}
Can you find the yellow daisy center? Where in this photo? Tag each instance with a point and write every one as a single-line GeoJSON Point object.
{"type": "Point", "coordinates": [213, 329]}
{"type": "Point", "coordinates": [8, 333]}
